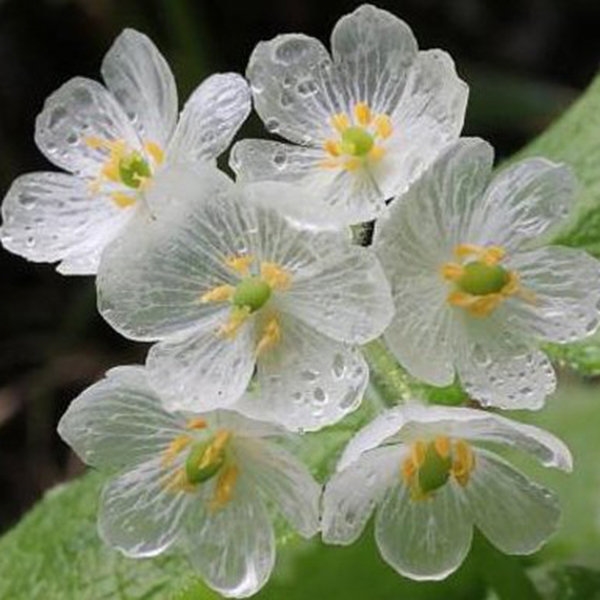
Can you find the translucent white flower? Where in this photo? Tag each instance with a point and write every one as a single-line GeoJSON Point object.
{"type": "Point", "coordinates": [113, 141]}
{"type": "Point", "coordinates": [475, 290]}
{"type": "Point", "coordinates": [229, 286]}
{"type": "Point", "coordinates": [424, 473]}
{"type": "Point", "coordinates": [203, 482]}
{"type": "Point", "coordinates": [365, 123]}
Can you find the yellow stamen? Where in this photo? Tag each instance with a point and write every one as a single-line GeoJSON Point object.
{"type": "Point", "coordinates": [122, 200]}
{"type": "Point", "coordinates": [275, 276]}
{"type": "Point", "coordinates": [352, 164]}
{"type": "Point", "coordinates": [178, 482]}
{"type": "Point", "coordinates": [196, 423]}
{"type": "Point", "coordinates": [240, 264]}
{"type": "Point", "coordinates": [362, 114]}
{"type": "Point", "coordinates": [155, 152]}
{"type": "Point", "coordinates": [332, 147]}
{"type": "Point", "coordinates": [463, 462]}
{"type": "Point", "coordinates": [418, 451]}
{"type": "Point", "coordinates": [224, 487]}
{"type": "Point", "coordinates": [376, 153]}
{"type": "Point", "coordinates": [478, 306]}
{"type": "Point", "coordinates": [442, 446]}
{"type": "Point", "coordinates": [383, 126]}
{"type": "Point", "coordinates": [215, 448]}
{"type": "Point", "coordinates": [452, 271]}
{"type": "Point", "coordinates": [221, 293]}
{"type": "Point", "coordinates": [329, 163]}
{"type": "Point", "coordinates": [340, 122]}
{"type": "Point", "coordinates": [237, 318]}
{"type": "Point", "coordinates": [178, 444]}
{"type": "Point", "coordinates": [271, 336]}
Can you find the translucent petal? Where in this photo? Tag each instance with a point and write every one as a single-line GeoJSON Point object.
{"type": "Point", "coordinates": [78, 110]}
{"type": "Point", "coordinates": [231, 419]}
{"type": "Point", "coordinates": [284, 480]}
{"type": "Point", "coordinates": [517, 515]}
{"type": "Point", "coordinates": [338, 295]}
{"type": "Point", "coordinates": [142, 82]}
{"type": "Point", "coordinates": [522, 202]}
{"type": "Point", "coordinates": [295, 87]}
{"type": "Point", "coordinates": [119, 421]}
{"type": "Point", "coordinates": [307, 381]}
{"type": "Point", "coordinates": [201, 370]}
{"type": "Point", "coordinates": [566, 286]}
{"type": "Point", "coordinates": [424, 539]}
{"type": "Point", "coordinates": [210, 118]}
{"type": "Point", "coordinates": [234, 547]}
{"type": "Point", "coordinates": [138, 514]}
{"type": "Point", "coordinates": [49, 217]}
{"type": "Point", "coordinates": [373, 51]}
{"type": "Point", "coordinates": [352, 494]}
{"type": "Point", "coordinates": [146, 292]}
{"type": "Point", "coordinates": [429, 117]}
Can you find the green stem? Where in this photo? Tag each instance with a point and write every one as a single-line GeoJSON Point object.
{"type": "Point", "coordinates": [387, 376]}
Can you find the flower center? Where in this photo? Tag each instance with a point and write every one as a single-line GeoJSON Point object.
{"type": "Point", "coordinates": [133, 170]}
{"type": "Point", "coordinates": [479, 278]}
{"type": "Point", "coordinates": [205, 459]}
{"type": "Point", "coordinates": [252, 292]}
{"type": "Point", "coordinates": [430, 465]}
{"type": "Point", "coordinates": [356, 141]}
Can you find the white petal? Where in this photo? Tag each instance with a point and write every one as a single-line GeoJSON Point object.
{"type": "Point", "coordinates": [210, 118]}
{"type": "Point", "coordinates": [233, 548]}
{"type": "Point", "coordinates": [566, 286]}
{"type": "Point", "coordinates": [49, 217]}
{"type": "Point", "coordinates": [352, 494]}
{"type": "Point", "coordinates": [429, 117]}
{"type": "Point", "coordinates": [284, 480]}
{"type": "Point", "coordinates": [201, 370]}
{"type": "Point", "coordinates": [517, 515]}
{"type": "Point", "coordinates": [373, 50]}
{"type": "Point", "coordinates": [307, 381]}
{"type": "Point", "coordinates": [140, 79]}
{"type": "Point", "coordinates": [295, 87]}
{"type": "Point", "coordinates": [522, 202]}
{"type": "Point", "coordinates": [118, 421]}
{"type": "Point", "coordinates": [424, 539]}
{"type": "Point", "coordinates": [345, 296]}
{"type": "Point", "coordinates": [138, 514]}
{"type": "Point", "coordinates": [78, 110]}
{"type": "Point", "coordinates": [235, 421]}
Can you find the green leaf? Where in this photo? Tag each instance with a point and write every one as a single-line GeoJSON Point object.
{"type": "Point", "coordinates": [583, 357]}
{"type": "Point", "coordinates": [569, 583]}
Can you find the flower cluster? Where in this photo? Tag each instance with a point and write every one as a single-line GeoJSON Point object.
{"type": "Point", "coordinates": [259, 299]}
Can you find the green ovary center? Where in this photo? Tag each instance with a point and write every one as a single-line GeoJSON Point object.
{"type": "Point", "coordinates": [251, 292]}
{"type": "Point", "coordinates": [435, 470]}
{"type": "Point", "coordinates": [480, 279]}
{"type": "Point", "coordinates": [133, 169]}
{"type": "Point", "coordinates": [204, 461]}
{"type": "Point", "coordinates": [356, 142]}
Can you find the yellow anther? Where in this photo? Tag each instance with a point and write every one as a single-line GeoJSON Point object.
{"type": "Point", "coordinates": [97, 143]}
{"type": "Point", "coordinates": [215, 448]}
{"type": "Point", "coordinates": [340, 122]}
{"type": "Point", "coordinates": [178, 482]}
{"type": "Point", "coordinates": [478, 306]}
{"type": "Point", "coordinates": [155, 152]}
{"type": "Point", "coordinates": [332, 147]}
{"type": "Point", "coordinates": [463, 462]}
{"type": "Point", "coordinates": [178, 444]}
{"type": "Point", "coordinates": [462, 251]}
{"type": "Point", "coordinates": [492, 255]}
{"type": "Point", "coordinates": [352, 164]}
{"type": "Point", "coordinates": [196, 423]}
{"type": "Point", "coordinates": [417, 453]}
{"type": "Point", "coordinates": [451, 271]}
{"type": "Point", "coordinates": [383, 126]}
{"type": "Point", "coordinates": [221, 293]}
{"type": "Point", "coordinates": [240, 264]}
{"type": "Point", "coordinates": [122, 200]}
{"type": "Point", "coordinates": [376, 153]}
{"type": "Point", "coordinates": [442, 446]}
{"type": "Point", "coordinates": [329, 163]}
{"type": "Point", "coordinates": [237, 318]}
{"type": "Point", "coordinates": [275, 276]}
{"type": "Point", "coordinates": [270, 337]}
{"type": "Point", "coordinates": [224, 488]}
{"type": "Point", "coordinates": [362, 113]}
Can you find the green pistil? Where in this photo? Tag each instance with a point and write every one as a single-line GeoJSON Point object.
{"type": "Point", "coordinates": [356, 141]}
{"type": "Point", "coordinates": [480, 279]}
{"type": "Point", "coordinates": [196, 473]}
{"type": "Point", "coordinates": [251, 292]}
{"type": "Point", "coordinates": [434, 471]}
{"type": "Point", "coordinates": [133, 169]}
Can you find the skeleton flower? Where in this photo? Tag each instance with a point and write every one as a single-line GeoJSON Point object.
{"type": "Point", "coordinates": [201, 481]}
{"type": "Point", "coordinates": [113, 141]}
{"type": "Point", "coordinates": [475, 291]}
{"type": "Point", "coordinates": [366, 123]}
{"type": "Point", "coordinates": [228, 286]}
{"type": "Point", "coordinates": [423, 471]}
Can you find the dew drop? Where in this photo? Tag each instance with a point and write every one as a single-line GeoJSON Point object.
{"type": "Point", "coordinates": [319, 395]}
{"type": "Point", "coordinates": [272, 125]}
{"type": "Point", "coordinates": [307, 88]}
{"type": "Point", "coordinates": [309, 375]}
{"type": "Point", "coordinates": [280, 159]}
{"type": "Point", "coordinates": [339, 366]}
{"type": "Point", "coordinates": [290, 51]}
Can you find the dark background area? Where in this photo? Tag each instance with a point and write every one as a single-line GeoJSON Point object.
{"type": "Point", "coordinates": [525, 61]}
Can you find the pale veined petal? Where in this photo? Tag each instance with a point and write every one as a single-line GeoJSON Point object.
{"type": "Point", "coordinates": [514, 513]}
{"type": "Point", "coordinates": [200, 369]}
{"type": "Point", "coordinates": [49, 217]}
{"type": "Point", "coordinates": [210, 118]}
{"type": "Point", "coordinates": [233, 548]}
{"type": "Point", "coordinates": [295, 87]}
{"type": "Point", "coordinates": [345, 296]}
{"type": "Point", "coordinates": [139, 515]}
{"type": "Point", "coordinates": [237, 422]}
{"type": "Point", "coordinates": [140, 79]}
{"type": "Point", "coordinates": [424, 539]}
{"type": "Point", "coordinates": [119, 421]}
{"type": "Point", "coordinates": [373, 51]}
{"type": "Point", "coordinates": [79, 110]}
{"type": "Point", "coordinates": [351, 495]}
{"type": "Point", "coordinates": [428, 118]}
{"type": "Point", "coordinates": [284, 480]}
{"type": "Point", "coordinates": [522, 202]}
{"type": "Point", "coordinates": [307, 380]}
{"type": "Point", "coordinates": [565, 283]}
